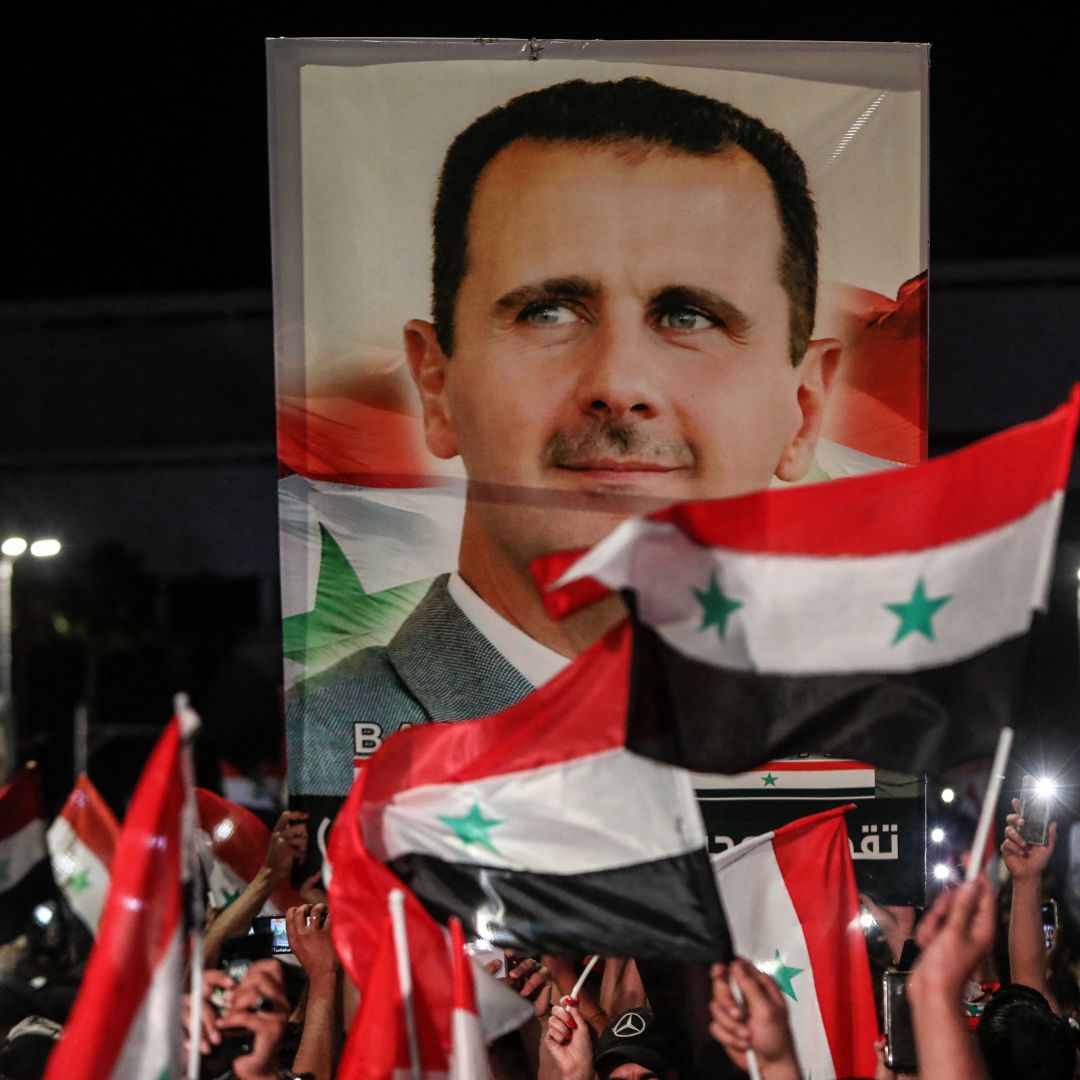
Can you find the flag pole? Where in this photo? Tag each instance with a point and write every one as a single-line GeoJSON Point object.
{"type": "Point", "coordinates": [404, 968]}
{"type": "Point", "coordinates": [986, 817]}
{"type": "Point", "coordinates": [189, 724]}
{"type": "Point", "coordinates": [752, 1066]}
{"type": "Point", "coordinates": [583, 976]}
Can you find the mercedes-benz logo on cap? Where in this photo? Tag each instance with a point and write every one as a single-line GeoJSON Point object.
{"type": "Point", "coordinates": [629, 1026]}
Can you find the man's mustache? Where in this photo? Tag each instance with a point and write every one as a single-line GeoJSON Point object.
{"type": "Point", "coordinates": [610, 440]}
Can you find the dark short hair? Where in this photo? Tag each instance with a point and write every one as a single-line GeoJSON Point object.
{"type": "Point", "coordinates": [608, 113]}
{"type": "Point", "coordinates": [1022, 1039]}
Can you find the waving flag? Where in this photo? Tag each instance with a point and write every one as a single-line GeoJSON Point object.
{"type": "Point", "coordinates": [881, 618]}
{"type": "Point", "coordinates": [125, 1023]}
{"type": "Point", "coordinates": [537, 827]}
{"type": "Point", "coordinates": [25, 878]}
{"type": "Point", "coordinates": [81, 844]}
{"type": "Point", "coordinates": [793, 909]}
{"type": "Point", "coordinates": [232, 844]}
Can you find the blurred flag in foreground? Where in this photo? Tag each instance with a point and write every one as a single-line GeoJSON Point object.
{"type": "Point", "coordinates": [793, 910]}
{"type": "Point", "coordinates": [125, 1023]}
{"type": "Point", "coordinates": [536, 827]}
{"type": "Point", "coordinates": [25, 878]}
{"type": "Point", "coordinates": [232, 845]}
{"type": "Point", "coordinates": [81, 844]}
{"type": "Point", "coordinates": [881, 618]}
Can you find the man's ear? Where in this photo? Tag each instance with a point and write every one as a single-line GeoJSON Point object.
{"type": "Point", "coordinates": [815, 374]}
{"type": "Point", "coordinates": [427, 363]}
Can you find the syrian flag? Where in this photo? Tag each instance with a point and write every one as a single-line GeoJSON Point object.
{"type": "Point", "coordinates": [468, 1052]}
{"type": "Point", "coordinates": [81, 844]}
{"type": "Point", "coordinates": [881, 618]}
{"type": "Point", "coordinates": [125, 1023]}
{"type": "Point", "coordinates": [793, 910]}
{"type": "Point", "coordinates": [536, 827]}
{"type": "Point", "coordinates": [795, 778]}
{"type": "Point", "coordinates": [232, 842]}
{"type": "Point", "coordinates": [25, 877]}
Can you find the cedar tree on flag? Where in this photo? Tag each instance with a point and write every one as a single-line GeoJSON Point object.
{"type": "Point", "coordinates": [881, 618]}
{"type": "Point", "coordinates": [125, 1023]}
{"type": "Point", "coordinates": [536, 827]}
{"type": "Point", "coordinates": [81, 844]}
{"type": "Point", "coordinates": [793, 910]}
{"type": "Point", "coordinates": [232, 843]}
{"type": "Point", "coordinates": [25, 877]}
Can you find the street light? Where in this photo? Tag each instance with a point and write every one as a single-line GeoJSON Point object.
{"type": "Point", "coordinates": [10, 550]}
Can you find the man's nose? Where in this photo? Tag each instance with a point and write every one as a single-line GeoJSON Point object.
{"type": "Point", "coordinates": [619, 375]}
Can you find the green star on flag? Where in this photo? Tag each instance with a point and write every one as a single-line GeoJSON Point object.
{"type": "Point", "coordinates": [716, 606]}
{"type": "Point", "coordinates": [916, 615]}
{"type": "Point", "coordinates": [230, 895]}
{"type": "Point", "coordinates": [782, 975]}
{"type": "Point", "coordinates": [473, 828]}
{"type": "Point", "coordinates": [79, 881]}
{"type": "Point", "coordinates": [770, 780]}
{"type": "Point", "coordinates": [345, 617]}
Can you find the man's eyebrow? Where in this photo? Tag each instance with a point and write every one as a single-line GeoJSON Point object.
{"type": "Point", "coordinates": [671, 297]}
{"type": "Point", "coordinates": [551, 289]}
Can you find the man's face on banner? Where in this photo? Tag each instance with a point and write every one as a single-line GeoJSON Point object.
{"type": "Point", "coordinates": [621, 340]}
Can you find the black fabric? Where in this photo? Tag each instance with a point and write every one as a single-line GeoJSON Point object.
{"type": "Point", "coordinates": [17, 903]}
{"type": "Point", "coordinates": [659, 909]}
{"type": "Point", "coordinates": [711, 719]}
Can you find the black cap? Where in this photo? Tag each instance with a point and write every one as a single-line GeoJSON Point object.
{"type": "Point", "coordinates": [635, 1036]}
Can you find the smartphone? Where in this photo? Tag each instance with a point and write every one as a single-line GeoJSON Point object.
{"type": "Point", "coordinates": [238, 954]}
{"type": "Point", "coordinates": [275, 926]}
{"type": "Point", "coordinates": [1035, 810]}
{"type": "Point", "coordinates": [1050, 922]}
{"type": "Point", "coordinates": [899, 1034]}
{"type": "Point", "coordinates": [235, 1042]}
{"type": "Point", "coordinates": [484, 951]}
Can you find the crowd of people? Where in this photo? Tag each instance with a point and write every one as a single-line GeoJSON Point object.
{"type": "Point", "coordinates": [266, 1013]}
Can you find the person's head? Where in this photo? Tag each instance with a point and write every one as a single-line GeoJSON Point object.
{"type": "Point", "coordinates": [1021, 1039]}
{"type": "Point", "coordinates": [624, 288]}
{"type": "Point", "coordinates": [636, 1046]}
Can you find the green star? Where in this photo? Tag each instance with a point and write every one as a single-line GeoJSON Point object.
{"type": "Point", "coordinates": [230, 895]}
{"type": "Point", "coordinates": [473, 828]}
{"type": "Point", "coordinates": [770, 780]}
{"type": "Point", "coordinates": [782, 975]}
{"type": "Point", "coordinates": [79, 881]}
{"type": "Point", "coordinates": [917, 613]}
{"type": "Point", "coordinates": [716, 606]}
{"type": "Point", "coordinates": [345, 618]}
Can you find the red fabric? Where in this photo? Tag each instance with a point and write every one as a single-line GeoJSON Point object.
{"type": "Point", "coordinates": [141, 916]}
{"type": "Point", "coordinates": [583, 710]}
{"type": "Point", "coordinates": [815, 860]}
{"type": "Point", "coordinates": [91, 819]}
{"type": "Point", "coordinates": [20, 802]}
{"type": "Point", "coordinates": [242, 846]}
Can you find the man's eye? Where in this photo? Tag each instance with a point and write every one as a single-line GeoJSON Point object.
{"type": "Point", "coordinates": [685, 319]}
{"type": "Point", "coordinates": [548, 315]}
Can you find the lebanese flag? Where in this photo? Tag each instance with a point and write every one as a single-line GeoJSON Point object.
{"type": "Point", "coordinates": [232, 843]}
{"type": "Point", "coordinates": [793, 910]}
{"type": "Point", "coordinates": [124, 1024]}
{"type": "Point", "coordinates": [81, 844]}
{"type": "Point", "coordinates": [25, 877]}
{"type": "Point", "coordinates": [881, 618]}
{"type": "Point", "coordinates": [536, 827]}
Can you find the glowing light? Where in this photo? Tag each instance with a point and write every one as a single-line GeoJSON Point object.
{"type": "Point", "coordinates": [43, 914]}
{"type": "Point", "coordinates": [947, 795]}
{"type": "Point", "coordinates": [937, 834]}
{"type": "Point", "coordinates": [43, 549]}
{"type": "Point", "coordinates": [13, 546]}
{"type": "Point", "coordinates": [866, 920]}
{"type": "Point", "coordinates": [224, 829]}
{"type": "Point", "coordinates": [942, 872]}
{"type": "Point", "coordinates": [1045, 787]}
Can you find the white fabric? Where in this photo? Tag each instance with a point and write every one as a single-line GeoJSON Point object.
{"type": "Point", "coordinates": [71, 856]}
{"type": "Point", "coordinates": [536, 662]}
{"type": "Point", "coordinates": [762, 921]}
{"type": "Point", "coordinates": [804, 615]}
{"type": "Point", "coordinates": [555, 819]}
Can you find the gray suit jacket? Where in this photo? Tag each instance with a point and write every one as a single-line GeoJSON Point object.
{"type": "Point", "coordinates": [438, 666]}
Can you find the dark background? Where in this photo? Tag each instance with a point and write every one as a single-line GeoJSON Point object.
{"type": "Point", "coordinates": [136, 338]}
